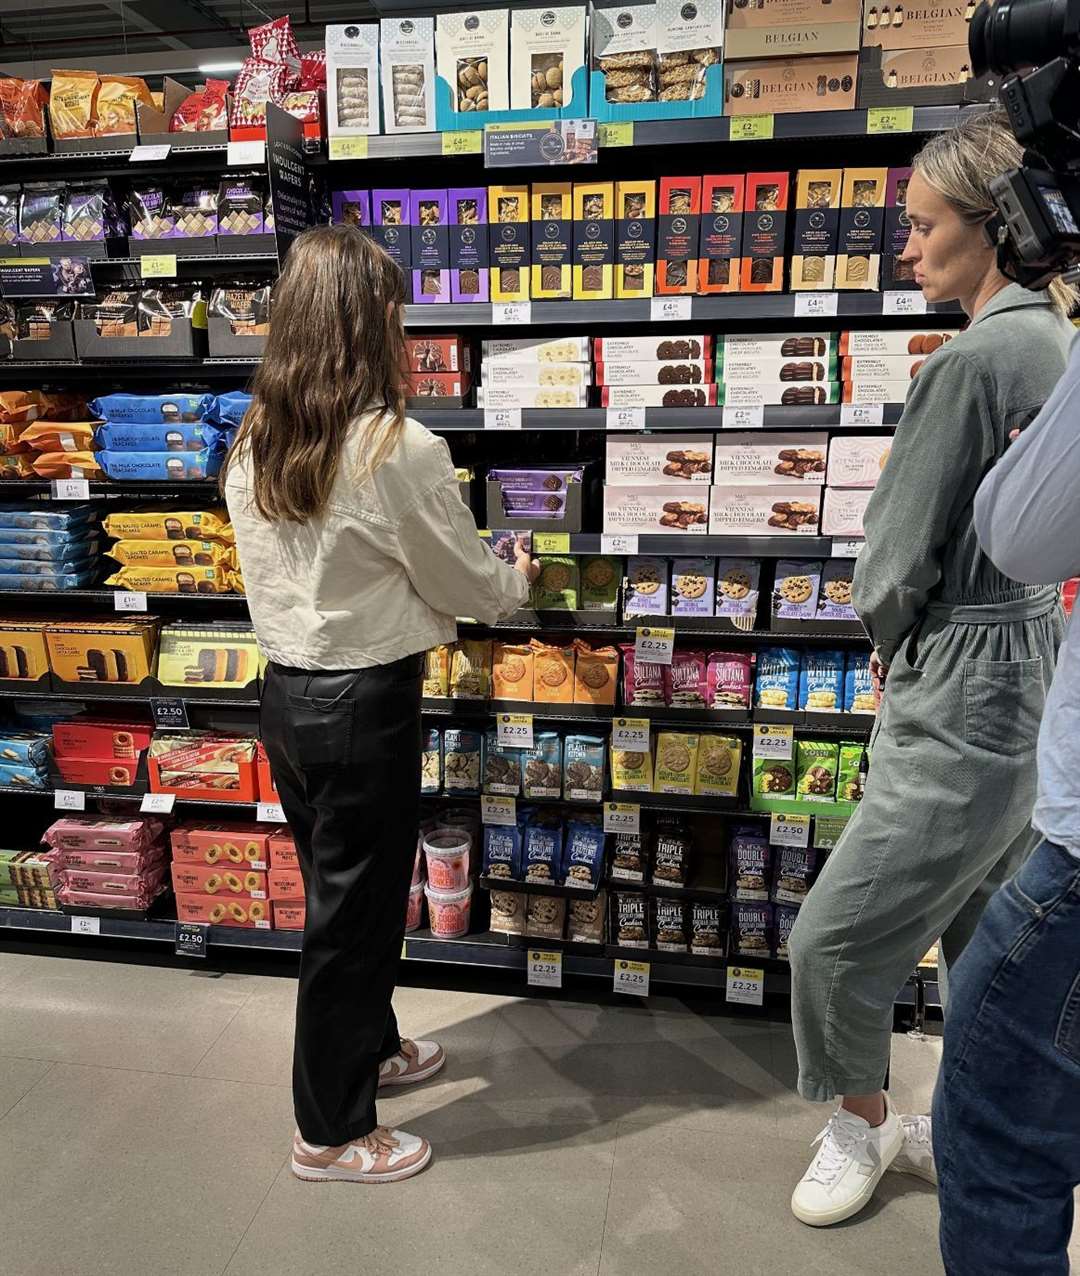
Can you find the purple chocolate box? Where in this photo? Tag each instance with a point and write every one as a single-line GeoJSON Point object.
{"type": "Point", "coordinates": [430, 246]}
{"type": "Point", "coordinates": [550, 480]}
{"type": "Point", "coordinates": [352, 208]}
{"type": "Point", "coordinates": [468, 243]}
{"type": "Point", "coordinates": [386, 205]}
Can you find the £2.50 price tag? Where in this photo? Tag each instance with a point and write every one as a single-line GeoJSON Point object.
{"type": "Point", "coordinates": [789, 830]}
{"type": "Point", "coordinates": [775, 742]}
{"type": "Point", "coordinates": [745, 986]}
{"type": "Point", "coordinates": [498, 810]}
{"type": "Point", "coordinates": [622, 817]}
{"type": "Point", "coordinates": [631, 734]}
{"type": "Point", "coordinates": [544, 969]}
{"type": "Point", "coordinates": [654, 646]}
{"type": "Point", "coordinates": [190, 939]}
{"type": "Point", "coordinates": [515, 730]}
{"type": "Point", "coordinates": [632, 977]}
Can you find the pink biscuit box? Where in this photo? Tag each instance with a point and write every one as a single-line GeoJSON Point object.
{"type": "Point", "coordinates": [283, 851]}
{"type": "Point", "coordinates": [856, 461]}
{"type": "Point", "coordinates": [250, 913]}
{"type": "Point", "coordinates": [239, 845]}
{"type": "Point", "coordinates": [115, 883]}
{"type": "Point", "coordinates": [289, 915]}
{"type": "Point", "coordinates": [126, 862]}
{"type": "Point", "coordinates": [844, 510]}
{"type": "Point", "coordinates": [286, 883]}
{"type": "Point", "coordinates": [83, 833]}
{"type": "Point", "coordinates": [93, 899]}
{"type": "Point", "coordinates": [221, 879]}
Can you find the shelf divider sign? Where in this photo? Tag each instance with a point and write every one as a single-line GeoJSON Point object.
{"type": "Point", "coordinates": [288, 177]}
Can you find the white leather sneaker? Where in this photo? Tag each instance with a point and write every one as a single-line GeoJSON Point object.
{"type": "Point", "coordinates": [383, 1156]}
{"type": "Point", "coordinates": [414, 1062]}
{"type": "Point", "coordinates": [848, 1166]}
{"type": "Point", "coordinates": [917, 1154]}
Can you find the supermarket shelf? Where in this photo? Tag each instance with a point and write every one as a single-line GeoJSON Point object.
{"type": "Point", "coordinates": [780, 417]}
{"type": "Point", "coordinates": [99, 793]}
{"type": "Point", "coordinates": [701, 892]}
{"type": "Point", "coordinates": [107, 597]}
{"type": "Point", "coordinates": [687, 545]}
{"type": "Point", "coordinates": [97, 693]}
{"type": "Point", "coordinates": [190, 369]}
{"type": "Point", "coordinates": [192, 488]}
{"type": "Point", "coordinates": [514, 887]}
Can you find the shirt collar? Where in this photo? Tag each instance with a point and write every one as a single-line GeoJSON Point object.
{"type": "Point", "coordinates": [1012, 297]}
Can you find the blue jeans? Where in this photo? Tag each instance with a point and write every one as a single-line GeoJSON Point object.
{"type": "Point", "coordinates": [1007, 1107]}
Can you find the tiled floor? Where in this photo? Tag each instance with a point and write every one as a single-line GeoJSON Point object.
{"type": "Point", "coordinates": [145, 1124]}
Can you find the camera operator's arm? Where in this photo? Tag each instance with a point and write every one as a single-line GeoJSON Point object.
{"type": "Point", "coordinates": [1027, 511]}
{"type": "Point", "coordinates": [943, 444]}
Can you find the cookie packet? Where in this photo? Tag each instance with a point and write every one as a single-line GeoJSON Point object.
{"type": "Point", "coordinates": [671, 853]}
{"type": "Point", "coordinates": [706, 930]}
{"type": "Point", "coordinates": [553, 672]}
{"type": "Point", "coordinates": [542, 766]}
{"type": "Point", "coordinates": [834, 598]}
{"type": "Point", "coordinates": [693, 587]}
{"type": "Point", "coordinates": [851, 774]}
{"type": "Point", "coordinates": [502, 767]}
{"type": "Point", "coordinates": [785, 918]}
{"type": "Point", "coordinates": [795, 590]}
{"type": "Point", "coordinates": [719, 763]}
{"type": "Point", "coordinates": [512, 672]}
{"type": "Point", "coordinates": [503, 851]}
{"type": "Point", "coordinates": [821, 681]}
{"type": "Point", "coordinates": [750, 858]}
{"type": "Point", "coordinates": [686, 680]}
{"type": "Point", "coordinates": [583, 855]}
{"type": "Point", "coordinates": [818, 762]}
{"type": "Point", "coordinates": [600, 579]}
{"type": "Point", "coordinates": [508, 912]}
{"type": "Point", "coordinates": [728, 679]}
{"type": "Point", "coordinates": [470, 670]}
{"type": "Point", "coordinates": [643, 682]}
{"type": "Point", "coordinates": [461, 760]}
{"type": "Point", "coordinates": [751, 930]}
{"type": "Point", "coordinates": [777, 680]}
{"type": "Point", "coordinates": [542, 856]}
{"type": "Point", "coordinates": [858, 685]}
{"type": "Point", "coordinates": [585, 920]}
{"type": "Point", "coordinates": [794, 874]}
{"type": "Point", "coordinates": [431, 762]}
{"type": "Point", "coordinates": [628, 858]}
{"type": "Point", "coordinates": [436, 682]}
{"type": "Point", "coordinates": [669, 925]}
{"type": "Point", "coordinates": [596, 674]}
{"type": "Point", "coordinates": [624, 51]}
{"type": "Point", "coordinates": [631, 771]}
{"type": "Point", "coordinates": [545, 917]}
{"type": "Point", "coordinates": [557, 585]}
{"type": "Point", "coordinates": [774, 779]}
{"type": "Point", "coordinates": [737, 588]}
{"type": "Point", "coordinates": [676, 762]}
{"type": "Point", "coordinates": [646, 587]}
{"type": "Point", "coordinates": [505, 543]}
{"type": "Point", "coordinates": [583, 768]}
{"type": "Point", "coordinates": [629, 920]}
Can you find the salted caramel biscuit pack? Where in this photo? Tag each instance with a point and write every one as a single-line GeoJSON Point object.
{"type": "Point", "coordinates": [862, 218]}
{"type": "Point", "coordinates": [720, 244]}
{"type": "Point", "coordinates": [594, 234]}
{"type": "Point", "coordinates": [552, 211]}
{"type": "Point", "coordinates": [764, 232]}
{"type": "Point", "coordinates": [817, 223]}
{"type": "Point", "coordinates": [658, 458]}
{"type": "Point", "coordinates": [635, 238]}
{"type": "Point", "coordinates": [509, 242]}
{"type": "Point", "coordinates": [171, 580]}
{"type": "Point", "coordinates": [678, 233]}
{"type": "Point", "coordinates": [428, 217]}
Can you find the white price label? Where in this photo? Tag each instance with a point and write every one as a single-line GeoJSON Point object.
{"type": "Point", "coordinates": [270, 813]}
{"type": "Point", "coordinates": [751, 416]}
{"type": "Point", "coordinates": [511, 312]}
{"type": "Point", "coordinates": [625, 419]}
{"type": "Point", "coordinates": [772, 741]}
{"type": "Point", "coordinates": [129, 600]}
{"type": "Point", "coordinates": [141, 154]}
{"type": "Point", "coordinates": [745, 986]}
{"type": "Point", "coordinates": [502, 418]}
{"type": "Point", "coordinates": [158, 803]}
{"type": "Point", "coordinates": [86, 925]}
{"type": "Point", "coordinates": [910, 302]}
{"type": "Point", "coordinates": [789, 830]}
{"type": "Point", "coordinates": [618, 544]}
{"type": "Point", "coordinates": [631, 734]}
{"type": "Point", "coordinates": [632, 977]}
{"type": "Point", "coordinates": [245, 153]}
{"type": "Point", "coordinates": [662, 308]}
{"type": "Point", "coordinates": [70, 489]}
{"type": "Point", "coordinates": [847, 548]}
{"type": "Point", "coordinates": [862, 414]}
{"type": "Point", "coordinates": [544, 969]}
{"type": "Point", "coordinates": [622, 817]}
{"type": "Point", "coordinates": [69, 800]}
{"type": "Point", "coordinates": [498, 810]}
{"type": "Point", "coordinates": [808, 304]}
{"type": "Point", "coordinates": [654, 646]}
{"type": "Point", "coordinates": [515, 730]}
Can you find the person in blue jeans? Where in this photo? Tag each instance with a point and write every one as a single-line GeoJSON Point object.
{"type": "Point", "coordinates": [1006, 1125]}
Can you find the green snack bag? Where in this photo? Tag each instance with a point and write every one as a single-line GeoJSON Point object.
{"type": "Point", "coordinates": [557, 584]}
{"type": "Point", "coordinates": [817, 767]}
{"type": "Point", "coordinates": [600, 583]}
{"type": "Point", "coordinates": [773, 779]}
{"type": "Point", "coordinates": [849, 782]}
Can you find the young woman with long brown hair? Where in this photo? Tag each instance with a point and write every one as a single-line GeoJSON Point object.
{"type": "Point", "coordinates": [357, 553]}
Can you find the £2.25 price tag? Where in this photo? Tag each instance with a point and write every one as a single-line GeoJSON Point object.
{"type": "Point", "coordinates": [515, 730]}
{"type": "Point", "coordinates": [544, 969]}
{"type": "Point", "coordinates": [498, 810]}
{"type": "Point", "coordinates": [622, 817]}
{"type": "Point", "coordinates": [789, 830]}
{"type": "Point", "coordinates": [745, 986]}
{"type": "Point", "coordinates": [654, 646]}
{"type": "Point", "coordinates": [631, 734]}
{"type": "Point", "coordinates": [775, 742]}
{"type": "Point", "coordinates": [632, 977]}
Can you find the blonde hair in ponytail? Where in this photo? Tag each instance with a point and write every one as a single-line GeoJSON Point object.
{"type": "Point", "coordinates": [959, 164]}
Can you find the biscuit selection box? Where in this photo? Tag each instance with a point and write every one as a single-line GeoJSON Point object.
{"type": "Point", "coordinates": [656, 372]}
{"type": "Point", "coordinates": [658, 396]}
{"type": "Point", "coordinates": [552, 241]}
{"type": "Point", "coordinates": [764, 232]}
{"type": "Point", "coordinates": [862, 221]}
{"type": "Point", "coordinates": [720, 243]}
{"type": "Point", "coordinates": [817, 220]}
{"type": "Point", "coordinates": [635, 238]}
{"type": "Point", "coordinates": [594, 236]}
{"type": "Point", "coordinates": [678, 233]}
{"type": "Point", "coordinates": [766, 458]}
{"type": "Point", "coordinates": [633, 459]}
{"type": "Point", "coordinates": [844, 510]}
{"type": "Point", "coordinates": [650, 508]}
{"type": "Point", "coordinates": [857, 461]}
{"type": "Point", "coordinates": [764, 511]}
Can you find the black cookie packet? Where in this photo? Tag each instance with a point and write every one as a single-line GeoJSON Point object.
{"type": "Point", "coordinates": [751, 930]}
{"type": "Point", "coordinates": [794, 874]}
{"type": "Point", "coordinates": [706, 929]}
{"type": "Point", "coordinates": [671, 854]}
{"type": "Point", "coordinates": [629, 920]}
{"type": "Point", "coordinates": [669, 925]}
{"type": "Point", "coordinates": [628, 858]}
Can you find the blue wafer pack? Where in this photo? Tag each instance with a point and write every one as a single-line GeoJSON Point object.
{"type": "Point", "coordinates": [48, 551]}
{"type": "Point", "coordinates": [23, 777]}
{"type": "Point", "coordinates": [220, 436]}
{"type": "Point", "coordinates": [24, 748]}
{"type": "Point", "coordinates": [182, 437]}
{"type": "Point", "coordinates": [152, 409]}
{"type": "Point", "coordinates": [229, 408]}
{"type": "Point", "coordinates": [171, 467]}
{"type": "Point", "coordinates": [48, 584]}
{"type": "Point", "coordinates": [23, 517]}
{"type": "Point", "coordinates": [19, 567]}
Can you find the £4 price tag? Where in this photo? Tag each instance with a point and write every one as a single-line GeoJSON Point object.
{"type": "Point", "coordinates": [631, 734]}
{"type": "Point", "coordinates": [544, 969]}
{"type": "Point", "coordinates": [908, 302]}
{"type": "Point", "coordinates": [622, 817]}
{"type": "Point", "coordinates": [772, 741]}
{"type": "Point", "coordinates": [511, 312]}
{"type": "Point", "coordinates": [515, 730]}
{"type": "Point", "coordinates": [815, 303]}
{"type": "Point", "coordinates": [789, 830]}
{"type": "Point", "coordinates": [632, 977]}
{"type": "Point", "coordinates": [745, 986]}
{"type": "Point", "coordinates": [666, 308]}
{"type": "Point", "coordinates": [654, 646]}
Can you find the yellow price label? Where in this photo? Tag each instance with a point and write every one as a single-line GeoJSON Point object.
{"type": "Point", "coordinates": [774, 741]}
{"type": "Point", "coordinates": [485, 532]}
{"type": "Point", "coordinates": [750, 128]}
{"type": "Point", "coordinates": [619, 133]}
{"type": "Point", "coordinates": [551, 542]}
{"type": "Point", "coordinates": [467, 142]}
{"type": "Point", "coordinates": [346, 148]}
{"type": "Point", "coordinates": [890, 119]}
{"type": "Point", "coordinates": [162, 266]}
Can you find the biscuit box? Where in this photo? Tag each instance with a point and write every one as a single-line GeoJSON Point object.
{"type": "Point", "coordinates": [203, 765]}
{"type": "Point", "coordinates": [102, 651]}
{"type": "Point", "coordinates": [798, 459]}
{"type": "Point", "coordinates": [764, 230]}
{"type": "Point", "coordinates": [678, 235]}
{"type": "Point", "coordinates": [651, 349]}
{"type": "Point", "coordinates": [720, 244]}
{"type": "Point", "coordinates": [844, 511]}
{"type": "Point", "coordinates": [651, 372]}
{"type": "Point", "coordinates": [735, 366]}
{"type": "Point", "coordinates": [239, 847]}
{"type": "Point", "coordinates": [635, 238]}
{"type": "Point", "coordinates": [407, 57]}
{"type": "Point", "coordinates": [552, 241]}
{"type": "Point", "coordinates": [857, 461]}
{"type": "Point", "coordinates": [532, 396]}
{"type": "Point", "coordinates": [268, 791]}
{"type": "Point", "coordinates": [428, 218]}
{"type": "Point", "coordinates": [437, 354]}
{"type": "Point", "coordinates": [23, 652]}
{"type": "Point", "coordinates": [633, 459]}
{"type": "Point", "coordinates": [654, 509]}
{"type": "Point", "coordinates": [218, 879]}
{"type": "Point", "coordinates": [594, 235]}
{"type": "Point", "coordinates": [817, 219]}
{"type": "Point", "coordinates": [862, 221]}
{"type": "Point", "coordinates": [282, 850]}
{"type": "Point", "coordinates": [208, 655]}
{"type": "Point", "coordinates": [897, 341]}
{"type": "Point", "coordinates": [390, 224]}
{"type": "Point", "coordinates": [254, 914]}
{"type": "Point", "coordinates": [536, 350]}
{"type": "Point", "coordinates": [286, 883]}
{"type": "Point", "coordinates": [468, 237]}
{"type": "Point", "coordinates": [101, 738]}
{"type": "Point", "coordinates": [288, 914]}
{"type": "Point", "coordinates": [895, 271]}
{"type": "Point", "coordinates": [81, 770]}
{"type": "Point", "coordinates": [658, 396]}
{"type": "Point", "coordinates": [472, 51]}
{"type": "Point", "coordinates": [509, 246]}
{"type": "Point", "coordinates": [763, 511]}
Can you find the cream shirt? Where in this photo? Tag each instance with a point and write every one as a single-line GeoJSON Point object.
{"type": "Point", "coordinates": [382, 573]}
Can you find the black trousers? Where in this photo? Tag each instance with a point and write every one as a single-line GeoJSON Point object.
{"type": "Point", "coordinates": [345, 752]}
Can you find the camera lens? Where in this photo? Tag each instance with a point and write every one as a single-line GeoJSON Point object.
{"type": "Point", "coordinates": [1013, 34]}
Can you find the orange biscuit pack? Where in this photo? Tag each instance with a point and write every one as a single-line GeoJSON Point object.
{"type": "Point", "coordinates": [596, 674]}
{"type": "Point", "coordinates": [512, 672]}
{"type": "Point", "coordinates": [73, 103]}
{"type": "Point", "coordinates": [553, 673]}
{"type": "Point", "coordinates": [116, 101]}
{"type": "Point", "coordinates": [102, 650]}
{"type": "Point", "coordinates": [59, 436]}
{"type": "Point", "coordinates": [254, 914]}
{"type": "Point", "coordinates": [218, 879]}
{"type": "Point", "coordinates": [23, 654]}
{"type": "Point", "coordinates": [239, 847]}
{"type": "Point", "coordinates": [50, 465]}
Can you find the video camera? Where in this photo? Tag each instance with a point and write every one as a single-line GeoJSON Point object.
{"type": "Point", "coordinates": [1035, 46]}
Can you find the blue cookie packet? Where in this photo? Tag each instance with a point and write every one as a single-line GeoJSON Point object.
{"type": "Point", "coordinates": [182, 437]}
{"type": "Point", "coordinates": [776, 682]}
{"type": "Point", "coordinates": [502, 851]}
{"type": "Point", "coordinates": [858, 685]}
{"type": "Point", "coordinates": [543, 852]}
{"type": "Point", "coordinates": [152, 409]}
{"type": "Point", "coordinates": [583, 855]}
{"type": "Point", "coordinates": [821, 681]}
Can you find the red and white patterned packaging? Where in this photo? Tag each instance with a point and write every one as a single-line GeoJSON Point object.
{"type": "Point", "coordinates": [274, 41]}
